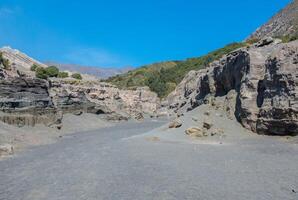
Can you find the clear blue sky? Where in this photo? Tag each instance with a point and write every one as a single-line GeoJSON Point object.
{"type": "Point", "coordinates": [111, 33]}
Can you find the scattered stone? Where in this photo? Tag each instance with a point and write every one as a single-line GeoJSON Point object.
{"type": "Point", "coordinates": [139, 116]}
{"type": "Point", "coordinates": [6, 149]}
{"type": "Point", "coordinates": [175, 124]}
{"type": "Point", "coordinates": [207, 124]}
{"type": "Point", "coordinates": [78, 113]}
{"type": "Point", "coordinates": [195, 119]}
{"type": "Point", "coordinates": [207, 113]}
{"type": "Point", "coordinates": [217, 131]}
{"type": "Point", "coordinates": [180, 114]}
{"type": "Point", "coordinates": [196, 132]}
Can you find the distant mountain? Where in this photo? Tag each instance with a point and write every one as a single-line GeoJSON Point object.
{"type": "Point", "coordinates": [284, 23]}
{"type": "Point", "coordinates": [99, 72]}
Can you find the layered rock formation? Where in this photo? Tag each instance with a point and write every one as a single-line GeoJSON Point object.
{"type": "Point", "coordinates": [19, 60]}
{"type": "Point", "coordinates": [30, 101]}
{"type": "Point", "coordinates": [99, 97]}
{"type": "Point", "coordinates": [26, 100]}
{"type": "Point", "coordinates": [265, 81]}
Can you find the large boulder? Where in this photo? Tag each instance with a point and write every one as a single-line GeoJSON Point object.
{"type": "Point", "coordinates": [6, 149]}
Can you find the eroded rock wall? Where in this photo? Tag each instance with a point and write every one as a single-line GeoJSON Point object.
{"type": "Point", "coordinates": [265, 83]}
{"type": "Point", "coordinates": [26, 101]}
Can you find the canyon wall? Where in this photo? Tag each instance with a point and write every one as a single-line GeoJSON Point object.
{"type": "Point", "coordinates": [264, 78]}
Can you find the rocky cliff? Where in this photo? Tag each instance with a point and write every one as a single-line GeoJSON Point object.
{"type": "Point", "coordinates": [26, 100]}
{"type": "Point", "coordinates": [284, 23]}
{"type": "Point", "coordinates": [263, 82]}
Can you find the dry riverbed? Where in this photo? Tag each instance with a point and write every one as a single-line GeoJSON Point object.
{"type": "Point", "coordinates": [147, 160]}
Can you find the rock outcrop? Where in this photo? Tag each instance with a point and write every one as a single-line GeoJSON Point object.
{"type": "Point", "coordinates": [284, 23]}
{"type": "Point", "coordinates": [18, 59]}
{"type": "Point", "coordinates": [99, 97]}
{"type": "Point", "coordinates": [265, 81]}
{"type": "Point", "coordinates": [26, 101]}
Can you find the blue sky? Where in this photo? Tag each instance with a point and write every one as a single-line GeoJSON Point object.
{"type": "Point", "coordinates": [114, 33]}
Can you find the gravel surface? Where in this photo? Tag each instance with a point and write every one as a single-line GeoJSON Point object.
{"type": "Point", "coordinates": [121, 162]}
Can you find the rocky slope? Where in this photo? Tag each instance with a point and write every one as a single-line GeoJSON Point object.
{"type": "Point", "coordinates": [260, 84]}
{"type": "Point", "coordinates": [284, 23]}
{"type": "Point", "coordinates": [19, 60]}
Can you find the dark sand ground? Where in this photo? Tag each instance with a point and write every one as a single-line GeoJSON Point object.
{"type": "Point", "coordinates": [147, 160]}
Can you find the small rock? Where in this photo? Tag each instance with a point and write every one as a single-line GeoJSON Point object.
{"type": "Point", "coordinates": [217, 131]}
{"type": "Point", "coordinates": [195, 119]}
{"type": "Point", "coordinates": [207, 124]}
{"type": "Point", "coordinates": [195, 132]}
{"type": "Point", "coordinates": [139, 116]}
{"type": "Point", "coordinates": [6, 149]}
{"type": "Point", "coordinates": [265, 41]}
{"type": "Point", "coordinates": [175, 124]}
{"type": "Point", "coordinates": [180, 114]}
{"type": "Point", "coordinates": [78, 113]}
{"type": "Point", "coordinates": [207, 113]}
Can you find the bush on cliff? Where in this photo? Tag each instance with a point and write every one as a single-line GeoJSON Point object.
{"type": "Point", "coordinates": [41, 72]}
{"type": "Point", "coordinates": [52, 71]}
{"type": "Point", "coordinates": [34, 67]}
{"type": "Point", "coordinates": [77, 76]}
{"type": "Point", "coordinates": [63, 75]}
{"type": "Point", "coordinates": [4, 62]}
{"type": "Point", "coordinates": [288, 38]}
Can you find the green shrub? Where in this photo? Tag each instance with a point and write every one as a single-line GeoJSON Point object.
{"type": "Point", "coordinates": [63, 75]}
{"type": "Point", "coordinates": [288, 38]}
{"type": "Point", "coordinates": [77, 76]}
{"type": "Point", "coordinates": [34, 67]}
{"type": "Point", "coordinates": [5, 62]}
{"type": "Point", "coordinates": [52, 71]}
{"type": "Point", "coordinates": [41, 72]}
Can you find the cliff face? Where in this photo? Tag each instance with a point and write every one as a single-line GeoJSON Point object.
{"type": "Point", "coordinates": [283, 23]}
{"type": "Point", "coordinates": [26, 101]}
{"type": "Point", "coordinates": [98, 97]}
{"type": "Point", "coordinates": [265, 81]}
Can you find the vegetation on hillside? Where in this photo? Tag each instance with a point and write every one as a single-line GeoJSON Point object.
{"type": "Point", "coordinates": [63, 75]}
{"type": "Point", "coordinates": [41, 72]}
{"type": "Point", "coordinates": [77, 76]}
{"type": "Point", "coordinates": [52, 71]}
{"type": "Point", "coordinates": [162, 78]}
{"type": "Point", "coordinates": [5, 62]}
{"type": "Point", "coordinates": [288, 38]}
{"type": "Point", "coordinates": [34, 67]}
